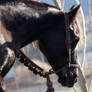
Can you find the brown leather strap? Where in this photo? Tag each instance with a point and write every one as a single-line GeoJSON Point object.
{"type": "Point", "coordinates": [68, 37]}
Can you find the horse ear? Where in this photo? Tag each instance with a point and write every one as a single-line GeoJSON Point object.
{"type": "Point", "coordinates": [73, 13]}
{"type": "Point", "coordinates": [72, 8]}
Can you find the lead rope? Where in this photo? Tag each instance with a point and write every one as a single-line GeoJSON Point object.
{"type": "Point", "coordinates": [50, 87]}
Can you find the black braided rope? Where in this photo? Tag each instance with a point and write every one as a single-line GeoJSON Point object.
{"type": "Point", "coordinates": [32, 66]}
{"type": "Point", "coordinates": [36, 69]}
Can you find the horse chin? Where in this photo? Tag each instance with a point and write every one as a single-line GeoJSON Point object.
{"type": "Point", "coordinates": [67, 81]}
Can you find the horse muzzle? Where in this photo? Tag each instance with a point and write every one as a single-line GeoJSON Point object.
{"type": "Point", "coordinates": [68, 79]}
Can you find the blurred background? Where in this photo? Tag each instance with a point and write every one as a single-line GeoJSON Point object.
{"type": "Point", "coordinates": [20, 79]}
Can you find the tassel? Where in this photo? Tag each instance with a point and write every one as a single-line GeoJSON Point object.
{"type": "Point", "coordinates": [49, 85]}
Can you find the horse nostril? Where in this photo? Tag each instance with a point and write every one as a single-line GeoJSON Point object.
{"type": "Point", "coordinates": [70, 74]}
{"type": "Point", "coordinates": [74, 75]}
{"type": "Point", "coordinates": [62, 78]}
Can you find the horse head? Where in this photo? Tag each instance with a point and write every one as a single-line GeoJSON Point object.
{"type": "Point", "coordinates": [24, 25]}
{"type": "Point", "coordinates": [53, 45]}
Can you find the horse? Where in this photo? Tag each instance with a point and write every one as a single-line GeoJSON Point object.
{"type": "Point", "coordinates": [20, 25]}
